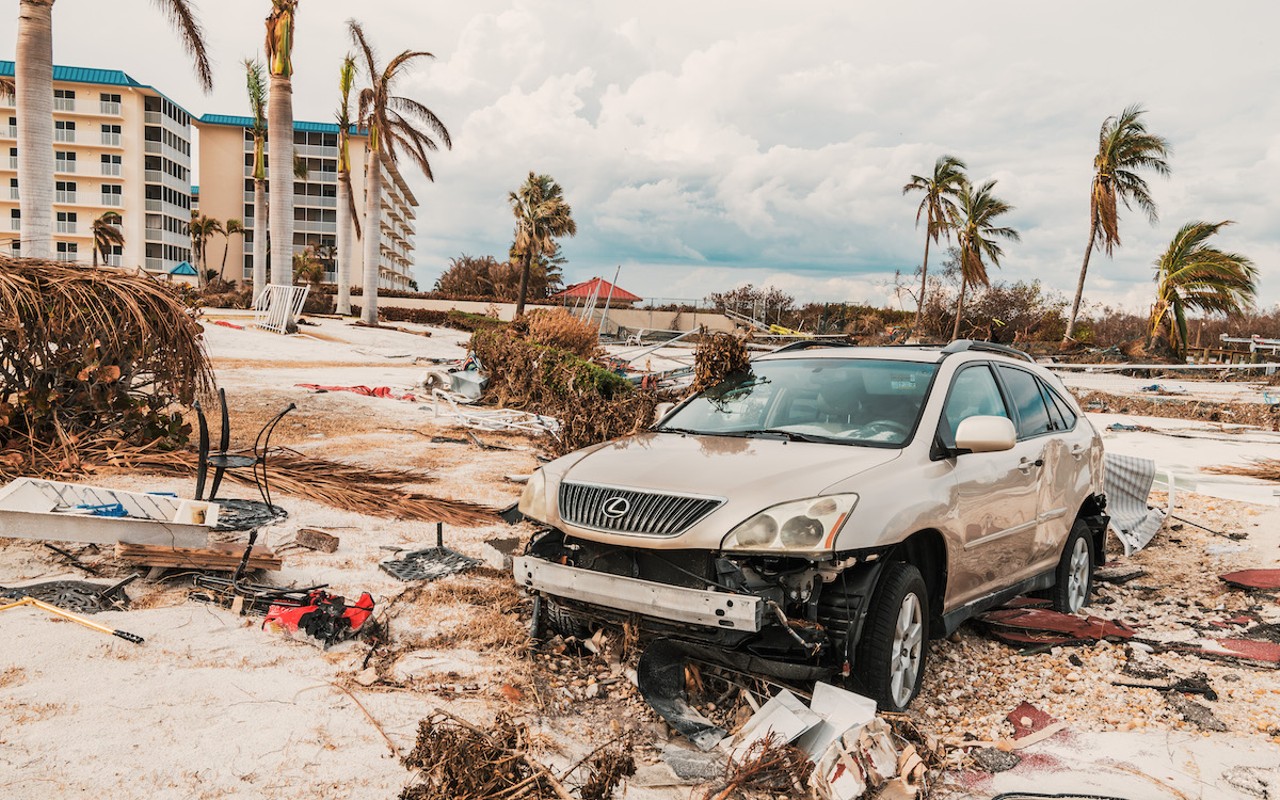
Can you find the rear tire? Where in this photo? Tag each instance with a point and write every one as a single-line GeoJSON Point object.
{"type": "Point", "coordinates": [1073, 579]}
{"type": "Point", "coordinates": [891, 653]}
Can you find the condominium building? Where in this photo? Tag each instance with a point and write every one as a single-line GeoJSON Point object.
{"type": "Point", "coordinates": [226, 192]}
{"type": "Point", "coordinates": [119, 145]}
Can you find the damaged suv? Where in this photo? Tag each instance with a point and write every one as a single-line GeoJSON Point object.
{"type": "Point", "coordinates": [828, 511]}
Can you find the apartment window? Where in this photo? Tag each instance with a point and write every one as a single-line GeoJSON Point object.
{"type": "Point", "coordinates": [66, 222]}
{"type": "Point", "coordinates": [64, 192]}
{"type": "Point", "coordinates": [111, 135]}
{"type": "Point", "coordinates": [112, 194]}
{"type": "Point", "coordinates": [110, 164]}
{"type": "Point", "coordinates": [67, 251]}
{"type": "Point", "coordinates": [12, 131]}
{"type": "Point", "coordinates": [64, 161]}
{"type": "Point", "coordinates": [64, 131]}
{"type": "Point", "coordinates": [109, 103]}
{"type": "Point", "coordinates": [15, 219]}
{"type": "Point", "coordinates": [64, 100]}
{"type": "Point", "coordinates": [13, 188]}
{"type": "Point", "coordinates": [13, 158]}
{"type": "Point", "coordinates": [114, 256]}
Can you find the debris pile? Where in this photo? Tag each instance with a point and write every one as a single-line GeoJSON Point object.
{"type": "Point", "coordinates": [718, 356]}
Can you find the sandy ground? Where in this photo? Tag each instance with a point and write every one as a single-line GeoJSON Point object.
{"type": "Point", "coordinates": [212, 707]}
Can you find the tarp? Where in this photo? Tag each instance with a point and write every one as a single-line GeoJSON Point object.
{"type": "Point", "coordinates": [1127, 481]}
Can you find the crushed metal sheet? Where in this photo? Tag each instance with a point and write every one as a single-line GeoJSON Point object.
{"type": "Point", "coordinates": [1042, 626]}
{"type": "Point", "coordinates": [1026, 719]}
{"type": "Point", "coordinates": [449, 408]}
{"type": "Point", "coordinates": [241, 515]}
{"type": "Point", "coordinates": [81, 597]}
{"type": "Point", "coordinates": [1127, 481]}
{"type": "Point", "coordinates": [1266, 579]}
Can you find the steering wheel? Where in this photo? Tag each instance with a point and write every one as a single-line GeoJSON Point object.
{"type": "Point", "coordinates": [890, 426]}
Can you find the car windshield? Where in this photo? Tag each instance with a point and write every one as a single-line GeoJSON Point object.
{"type": "Point", "coordinates": [844, 401]}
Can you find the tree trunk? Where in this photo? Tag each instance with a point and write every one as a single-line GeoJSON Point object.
{"type": "Point", "coordinates": [343, 270]}
{"type": "Point", "coordinates": [1084, 268]}
{"type": "Point", "coordinates": [955, 330]}
{"type": "Point", "coordinates": [372, 239]}
{"type": "Point", "coordinates": [526, 265]}
{"type": "Point", "coordinates": [261, 231]}
{"type": "Point", "coordinates": [95, 255]}
{"type": "Point", "coordinates": [33, 74]}
{"type": "Point", "coordinates": [280, 175]}
{"type": "Point", "coordinates": [222, 268]}
{"type": "Point", "coordinates": [924, 274]}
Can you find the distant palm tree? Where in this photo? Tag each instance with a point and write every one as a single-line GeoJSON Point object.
{"type": "Point", "coordinates": [938, 208]}
{"type": "Point", "coordinates": [977, 233]}
{"type": "Point", "coordinates": [33, 80]}
{"type": "Point", "coordinates": [391, 124]}
{"type": "Point", "coordinates": [232, 227]}
{"type": "Point", "coordinates": [203, 229]}
{"type": "Point", "coordinates": [542, 215]}
{"type": "Point", "coordinates": [346, 199]}
{"type": "Point", "coordinates": [1194, 275]}
{"type": "Point", "coordinates": [258, 113]}
{"type": "Point", "coordinates": [1124, 148]}
{"type": "Point", "coordinates": [308, 268]}
{"type": "Point", "coordinates": [106, 234]}
{"type": "Point", "coordinates": [279, 49]}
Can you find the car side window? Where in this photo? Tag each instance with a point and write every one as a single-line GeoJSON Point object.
{"type": "Point", "coordinates": [1056, 420]}
{"type": "Point", "coordinates": [1024, 395]}
{"type": "Point", "coordinates": [974, 393]}
{"type": "Point", "coordinates": [1068, 416]}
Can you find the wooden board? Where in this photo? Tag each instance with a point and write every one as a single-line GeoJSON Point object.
{"type": "Point", "coordinates": [223, 557]}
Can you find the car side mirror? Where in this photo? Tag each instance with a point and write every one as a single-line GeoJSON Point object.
{"type": "Point", "coordinates": [661, 410]}
{"type": "Point", "coordinates": [985, 434]}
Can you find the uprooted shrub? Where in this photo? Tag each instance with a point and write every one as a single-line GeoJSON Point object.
{"type": "Point", "coordinates": [91, 353]}
{"type": "Point", "coordinates": [718, 356]}
{"type": "Point", "coordinates": [591, 403]}
{"type": "Point", "coordinates": [556, 327]}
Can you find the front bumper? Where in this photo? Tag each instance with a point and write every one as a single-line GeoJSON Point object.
{"type": "Point", "coordinates": [711, 609]}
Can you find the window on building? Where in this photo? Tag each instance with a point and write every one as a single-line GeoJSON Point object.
{"type": "Point", "coordinates": [109, 103]}
{"type": "Point", "coordinates": [111, 135]}
{"type": "Point", "coordinates": [64, 100]}
{"type": "Point", "coordinates": [67, 251]}
{"type": "Point", "coordinates": [112, 194]}
{"type": "Point", "coordinates": [13, 128]}
{"type": "Point", "coordinates": [111, 164]}
{"type": "Point", "coordinates": [13, 158]}
{"type": "Point", "coordinates": [64, 131]}
{"type": "Point", "coordinates": [66, 222]}
{"type": "Point", "coordinates": [64, 161]}
{"type": "Point", "coordinates": [64, 192]}
{"type": "Point", "coordinates": [15, 219]}
{"type": "Point", "coordinates": [13, 188]}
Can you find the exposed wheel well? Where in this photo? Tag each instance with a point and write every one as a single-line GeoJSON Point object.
{"type": "Point", "coordinates": [1093, 512]}
{"type": "Point", "coordinates": [927, 551]}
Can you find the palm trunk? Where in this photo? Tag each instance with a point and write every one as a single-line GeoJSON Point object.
{"type": "Point", "coordinates": [280, 173]}
{"type": "Point", "coordinates": [924, 274]}
{"type": "Point", "coordinates": [95, 256]}
{"type": "Point", "coordinates": [260, 234]}
{"type": "Point", "coordinates": [524, 281]}
{"type": "Point", "coordinates": [33, 74]}
{"type": "Point", "coordinates": [343, 269]}
{"type": "Point", "coordinates": [955, 330]}
{"type": "Point", "coordinates": [372, 238]}
{"type": "Point", "coordinates": [222, 268]}
{"type": "Point", "coordinates": [1084, 268]}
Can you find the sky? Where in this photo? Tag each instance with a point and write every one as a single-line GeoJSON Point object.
{"type": "Point", "coordinates": [706, 144]}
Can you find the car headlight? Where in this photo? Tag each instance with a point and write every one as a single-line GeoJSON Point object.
{"type": "Point", "coordinates": [805, 525]}
{"type": "Point", "coordinates": [533, 503]}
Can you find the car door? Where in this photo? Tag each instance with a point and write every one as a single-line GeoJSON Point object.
{"type": "Point", "coordinates": [994, 495]}
{"type": "Point", "coordinates": [1064, 482]}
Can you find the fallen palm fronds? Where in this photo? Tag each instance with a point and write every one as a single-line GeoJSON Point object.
{"type": "Point", "coordinates": [718, 356]}
{"type": "Point", "coordinates": [352, 487]}
{"type": "Point", "coordinates": [1259, 414]}
{"type": "Point", "coordinates": [1267, 469]}
{"type": "Point", "coordinates": [768, 765]}
{"type": "Point", "coordinates": [460, 761]}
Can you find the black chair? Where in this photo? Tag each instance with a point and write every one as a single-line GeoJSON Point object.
{"type": "Point", "coordinates": [224, 459]}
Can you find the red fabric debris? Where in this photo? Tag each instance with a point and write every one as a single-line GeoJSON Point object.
{"type": "Point", "coordinates": [364, 391]}
{"type": "Point", "coordinates": [1268, 579]}
{"type": "Point", "coordinates": [1265, 652]}
{"type": "Point", "coordinates": [1056, 626]}
{"type": "Point", "coordinates": [1027, 719]}
{"type": "Point", "coordinates": [226, 324]}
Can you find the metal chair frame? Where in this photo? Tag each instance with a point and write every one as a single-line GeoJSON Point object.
{"type": "Point", "coordinates": [224, 459]}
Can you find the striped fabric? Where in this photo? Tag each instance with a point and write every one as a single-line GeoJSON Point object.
{"type": "Point", "coordinates": [1127, 480]}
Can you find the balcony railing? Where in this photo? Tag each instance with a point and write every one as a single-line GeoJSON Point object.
{"type": "Point", "coordinates": [150, 146]}
{"type": "Point", "coordinates": [110, 168]}
{"type": "Point", "coordinates": [64, 104]}
{"type": "Point", "coordinates": [11, 131]}
{"type": "Point", "coordinates": [63, 166]}
{"type": "Point", "coordinates": [110, 139]}
{"type": "Point", "coordinates": [154, 264]}
{"type": "Point", "coordinates": [109, 108]}
{"type": "Point", "coordinates": [13, 162]}
{"type": "Point", "coordinates": [64, 135]}
{"type": "Point", "coordinates": [66, 227]}
{"type": "Point", "coordinates": [64, 197]}
{"type": "Point", "coordinates": [13, 192]}
{"type": "Point", "coordinates": [115, 200]}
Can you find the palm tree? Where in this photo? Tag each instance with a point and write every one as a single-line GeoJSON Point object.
{"type": "Point", "coordinates": [203, 229]}
{"type": "Point", "coordinates": [106, 234]}
{"type": "Point", "coordinates": [346, 200]}
{"type": "Point", "coordinates": [33, 79]}
{"type": "Point", "coordinates": [976, 232]}
{"type": "Point", "coordinates": [1194, 275]}
{"type": "Point", "coordinates": [279, 49]}
{"type": "Point", "coordinates": [541, 215]}
{"type": "Point", "coordinates": [231, 228]}
{"type": "Point", "coordinates": [390, 121]}
{"type": "Point", "coordinates": [258, 113]}
{"type": "Point", "coordinates": [308, 268]}
{"type": "Point", "coordinates": [938, 208]}
{"type": "Point", "coordinates": [1124, 147]}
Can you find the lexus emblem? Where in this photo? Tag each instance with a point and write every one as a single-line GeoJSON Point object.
{"type": "Point", "coordinates": [616, 507]}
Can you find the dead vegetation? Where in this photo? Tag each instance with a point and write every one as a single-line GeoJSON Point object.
{"type": "Point", "coordinates": [768, 765]}
{"type": "Point", "coordinates": [718, 356]}
{"type": "Point", "coordinates": [1257, 414]}
{"type": "Point", "coordinates": [1267, 469]}
{"type": "Point", "coordinates": [556, 327]}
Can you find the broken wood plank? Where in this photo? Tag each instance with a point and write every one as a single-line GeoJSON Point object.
{"type": "Point", "coordinates": [222, 557]}
{"type": "Point", "coordinates": [315, 539]}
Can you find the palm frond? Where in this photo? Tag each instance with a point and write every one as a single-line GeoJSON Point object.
{"type": "Point", "coordinates": [182, 16]}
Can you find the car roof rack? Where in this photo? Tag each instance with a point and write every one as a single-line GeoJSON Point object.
{"type": "Point", "coordinates": [965, 345]}
{"type": "Point", "coordinates": [809, 344]}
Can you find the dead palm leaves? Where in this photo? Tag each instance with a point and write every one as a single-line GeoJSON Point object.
{"type": "Point", "coordinates": [718, 356]}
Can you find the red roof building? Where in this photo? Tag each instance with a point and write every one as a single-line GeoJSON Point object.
{"type": "Point", "coordinates": [600, 289]}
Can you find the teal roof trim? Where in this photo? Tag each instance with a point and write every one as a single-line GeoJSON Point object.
{"type": "Point", "coordinates": [102, 77]}
{"type": "Point", "coordinates": [247, 122]}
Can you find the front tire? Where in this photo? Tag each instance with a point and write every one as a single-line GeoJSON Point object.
{"type": "Point", "coordinates": [891, 654]}
{"type": "Point", "coordinates": [1073, 580]}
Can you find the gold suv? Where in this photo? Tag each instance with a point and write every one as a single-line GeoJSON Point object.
{"type": "Point", "coordinates": [828, 511]}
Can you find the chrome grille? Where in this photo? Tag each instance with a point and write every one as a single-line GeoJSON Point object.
{"type": "Point", "coordinates": [647, 513]}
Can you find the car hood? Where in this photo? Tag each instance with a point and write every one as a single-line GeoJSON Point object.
{"type": "Point", "coordinates": [750, 474]}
